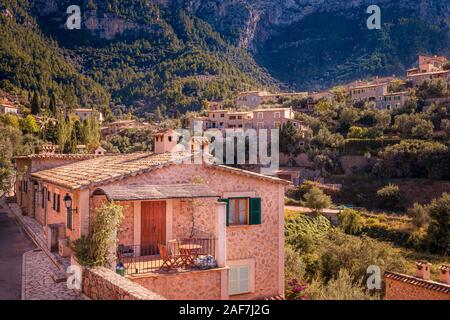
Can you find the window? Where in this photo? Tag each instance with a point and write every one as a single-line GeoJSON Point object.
{"type": "Point", "coordinates": [243, 211]}
{"type": "Point", "coordinates": [260, 125]}
{"type": "Point", "coordinates": [238, 211]}
{"type": "Point", "coordinates": [69, 222]}
{"type": "Point", "coordinates": [44, 193]}
{"type": "Point", "coordinates": [276, 115]}
{"type": "Point", "coordinates": [232, 117]}
{"type": "Point", "coordinates": [49, 196]}
{"type": "Point", "coordinates": [239, 280]}
{"type": "Point", "coordinates": [170, 138]}
{"type": "Point", "coordinates": [56, 202]}
{"type": "Point", "coordinates": [260, 115]}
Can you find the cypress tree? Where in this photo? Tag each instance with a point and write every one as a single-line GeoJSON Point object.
{"type": "Point", "coordinates": [52, 104]}
{"type": "Point", "coordinates": [35, 104]}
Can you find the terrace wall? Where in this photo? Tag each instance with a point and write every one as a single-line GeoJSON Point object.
{"type": "Point", "coordinates": [192, 285]}
{"type": "Point", "coordinates": [104, 284]}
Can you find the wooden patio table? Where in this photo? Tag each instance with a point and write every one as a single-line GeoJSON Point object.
{"type": "Point", "coordinates": [190, 252]}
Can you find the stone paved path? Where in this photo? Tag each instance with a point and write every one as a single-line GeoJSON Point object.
{"type": "Point", "coordinates": [38, 283]}
{"type": "Point", "coordinates": [13, 243]}
{"type": "Point", "coordinates": [30, 277]}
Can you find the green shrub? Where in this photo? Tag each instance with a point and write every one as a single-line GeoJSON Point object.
{"type": "Point", "coordinates": [419, 214]}
{"type": "Point", "coordinates": [351, 221]}
{"type": "Point", "coordinates": [363, 146]}
{"type": "Point", "coordinates": [390, 197]}
{"type": "Point", "coordinates": [95, 249]}
{"type": "Point", "coordinates": [292, 202]}
{"type": "Point", "coordinates": [340, 251]}
{"type": "Point", "coordinates": [293, 264]}
{"type": "Point", "coordinates": [342, 287]}
{"type": "Point", "coordinates": [316, 200]}
{"type": "Point", "coordinates": [439, 228]}
{"type": "Point", "coordinates": [304, 232]}
{"type": "Point", "coordinates": [299, 191]}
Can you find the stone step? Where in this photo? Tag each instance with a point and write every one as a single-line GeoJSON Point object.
{"type": "Point", "coordinates": [58, 276]}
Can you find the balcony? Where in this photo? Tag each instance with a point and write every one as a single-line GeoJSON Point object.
{"type": "Point", "coordinates": [177, 256]}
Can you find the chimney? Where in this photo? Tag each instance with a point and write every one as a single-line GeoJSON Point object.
{"type": "Point", "coordinates": [423, 270]}
{"type": "Point", "coordinates": [165, 141]}
{"type": "Point", "coordinates": [444, 274]}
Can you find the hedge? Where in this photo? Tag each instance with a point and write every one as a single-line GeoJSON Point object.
{"type": "Point", "coordinates": [362, 146]}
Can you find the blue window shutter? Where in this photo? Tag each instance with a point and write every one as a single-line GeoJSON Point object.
{"type": "Point", "coordinates": [227, 201]}
{"type": "Point", "coordinates": [255, 211]}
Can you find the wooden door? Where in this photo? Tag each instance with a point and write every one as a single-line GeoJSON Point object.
{"type": "Point", "coordinates": [153, 226]}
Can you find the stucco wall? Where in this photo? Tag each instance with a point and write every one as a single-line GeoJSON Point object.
{"type": "Point", "coordinates": [195, 285]}
{"type": "Point", "coordinates": [104, 284]}
{"type": "Point", "coordinates": [399, 290]}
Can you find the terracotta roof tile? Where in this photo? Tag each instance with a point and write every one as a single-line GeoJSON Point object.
{"type": "Point", "coordinates": [155, 192]}
{"type": "Point", "coordinates": [428, 284]}
{"type": "Point", "coordinates": [103, 169]}
{"type": "Point", "coordinates": [57, 156]}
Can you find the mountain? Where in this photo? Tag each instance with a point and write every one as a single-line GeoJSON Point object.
{"type": "Point", "coordinates": [174, 54]}
{"type": "Point", "coordinates": [143, 56]}
{"type": "Point", "coordinates": [312, 44]}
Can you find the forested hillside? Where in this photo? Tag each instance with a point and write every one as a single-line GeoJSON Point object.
{"type": "Point", "coordinates": [154, 59]}
{"type": "Point", "coordinates": [172, 55]}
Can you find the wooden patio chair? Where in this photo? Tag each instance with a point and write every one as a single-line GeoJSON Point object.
{"type": "Point", "coordinates": [169, 261]}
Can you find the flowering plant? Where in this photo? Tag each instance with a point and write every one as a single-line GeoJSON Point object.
{"type": "Point", "coordinates": [296, 290]}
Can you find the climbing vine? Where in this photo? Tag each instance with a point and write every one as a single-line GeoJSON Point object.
{"type": "Point", "coordinates": [95, 248]}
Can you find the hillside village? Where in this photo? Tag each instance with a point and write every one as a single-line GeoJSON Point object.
{"type": "Point", "coordinates": [363, 165]}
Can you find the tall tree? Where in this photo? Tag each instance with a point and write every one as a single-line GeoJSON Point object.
{"type": "Point", "coordinates": [52, 104]}
{"type": "Point", "coordinates": [35, 104]}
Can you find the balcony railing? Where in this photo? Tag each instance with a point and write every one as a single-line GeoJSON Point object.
{"type": "Point", "coordinates": [176, 256]}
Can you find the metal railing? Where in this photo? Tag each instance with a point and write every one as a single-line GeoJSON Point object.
{"type": "Point", "coordinates": [176, 255]}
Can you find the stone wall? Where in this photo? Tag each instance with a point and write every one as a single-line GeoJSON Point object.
{"type": "Point", "coordinates": [399, 290]}
{"type": "Point", "coordinates": [193, 285]}
{"type": "Point", "coordinates": [104, 284]}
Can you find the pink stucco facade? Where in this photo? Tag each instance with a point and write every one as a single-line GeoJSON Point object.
{"type": "Point", "coordinates": [260, 246]}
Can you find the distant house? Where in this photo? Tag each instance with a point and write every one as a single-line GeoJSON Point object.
{"type": "Point", "coordinates": [419, 287]}
{"type": "Point", "coordinates": [254, 99]}
{"type": "Point", "coordinates": [418, 78]}
{"type": "Point", "coordinates": [430, 68]}
{"type": "Point", "coordinates": [428, 64]}
{"type": "Point", "coordinates": [120, 125]}
{"type": "Point", "coordinates": [7, 107]}
{"type": "Point", "coordinates": [84, 113]}
{"type": "Point", "coordinates": [368, 92]}
{"type": "Point", "coordinates": [269, 118]}
{"type": "Point", "coordinates": [226, 225]}
{"type": "Point", "coordinates": [393, 100]}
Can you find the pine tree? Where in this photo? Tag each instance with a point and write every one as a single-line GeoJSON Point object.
{"type": "Point", "coordinates": [52, 104]}
{"type": "Point", "coordinates": [35, 104]}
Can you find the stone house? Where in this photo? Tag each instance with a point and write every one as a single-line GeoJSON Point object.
{"type": "Point", "coordinates": [420, 286]}
{"type": "Point", "coordinates": [25, 188]}
{"type": "Point", "coordinates": [418, 78]}
{"type": "Point", "coordinates": [267, 118]}
{"type": "Point", "coordinates": [393, 100]}
{"type": "Point", "coordinates": [84, 113]}
{"type": "Point", "coordinates": [254, 99]}
{"type": "Point", "coordinates": [428, 64]}
{"type": "Point", "coordinates": [369, 92]}
{"type": "Point", "coordinates": [234, 217]}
